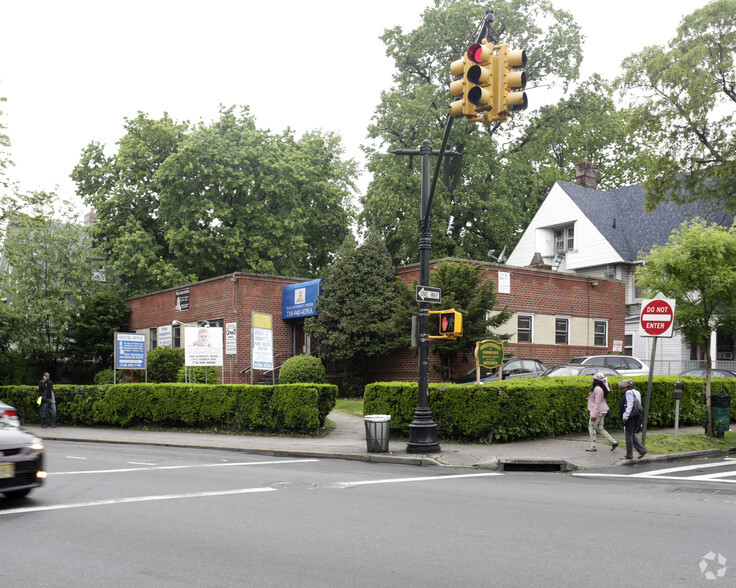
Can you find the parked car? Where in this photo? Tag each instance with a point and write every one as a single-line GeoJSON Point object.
{"type": "Point", "coordinates": [625, 365]}
{"type": "Point", "coordinates": [515, 367]}
{"type": "Point", "coordinates": [21, 461]}
{"type": "Point", "coordinates": [700, 373]}
{"type": "Point", "coordinates": [9, 415]}
{"type": "Point", "coordinates": [577, 369]}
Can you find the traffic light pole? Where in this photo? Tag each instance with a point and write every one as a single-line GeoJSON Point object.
{"type": "Point", "coordinates": [423, 430]}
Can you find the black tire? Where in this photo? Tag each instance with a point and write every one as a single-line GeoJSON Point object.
{"type": "Point", "coordinates": [15, 494]}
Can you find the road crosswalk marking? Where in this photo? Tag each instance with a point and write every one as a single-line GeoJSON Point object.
{"type": "Point", "coordinates": [667, 473]}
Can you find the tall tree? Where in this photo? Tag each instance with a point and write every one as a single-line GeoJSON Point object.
{"type": "Point", "coordinates": [696, 267]}
{"type": "Point", "coordinates": [51, 266]}
{"type": "Point", "coordinates": [465, 288]}
{"type": "Point", "coordinates": [179, 203]}
{"type": "Point", "coordinates": [361, 310]}
{"type": "Point", "coordinates": [100, 314]}
{"type": "Point", "coordinates": [489, 192]}
{"type": "Point", "coordinates": [685, 102]}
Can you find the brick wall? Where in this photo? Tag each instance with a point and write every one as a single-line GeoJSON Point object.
{"type": "Point", "coordinates": [235, 297]}
{"type": "Point", "coordinates": [232, 298]}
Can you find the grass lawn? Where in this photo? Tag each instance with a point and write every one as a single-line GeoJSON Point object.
{"type": "Point", "coordinates": [350, 405]}
{"type": "Point", "coordinates": [661, 444]}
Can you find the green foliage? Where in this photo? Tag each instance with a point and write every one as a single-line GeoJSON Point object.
{"type": "Point", "coordinates": [198, 374]}
{"type": "Point", "coordinates": [179, 203]}
{"type": "Point", "coordinates": [488, 193]}
{"type": "Point", "coordinates": [685, 102]}
{"type": "Point", "coordinates": [237, 408]}
{"type": "Point", "coordinates": [527, 408]}
{"type": "Point", "coordinates": [303, 369]}
{"type": "Point", "coordinates": [361, 310]}
{"type": "Point", "coordinates": [164, 364]}
{"type": "Point", "coordinates": [108, 376]}
{"type": "Point", "coordinates": [53, 271]}
{"type": "Point", "coordinates": [91, 333]}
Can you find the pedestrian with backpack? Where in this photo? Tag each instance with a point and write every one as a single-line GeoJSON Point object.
{"type": "Point", "coordinates": [598, 411]}
{"type": "Point", "coordinates": [632, 415]}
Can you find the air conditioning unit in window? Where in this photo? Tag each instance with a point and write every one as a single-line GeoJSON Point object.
{"type": "Point", "coordinates": [724, 355]}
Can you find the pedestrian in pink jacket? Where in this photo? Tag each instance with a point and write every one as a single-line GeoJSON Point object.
{"type": "Point", "coordinates": [598, 411]}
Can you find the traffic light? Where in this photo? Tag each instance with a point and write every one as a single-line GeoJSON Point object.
{"type": "Point", "coordinates": [451, 324]}
{"type": "Point", "coordinates": [472, 78]}
{"type": "Point", "coordinates": [480, 76]}
{"type": "Point", "coordinates": [509, 83]}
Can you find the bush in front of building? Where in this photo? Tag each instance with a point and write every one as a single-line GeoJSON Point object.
{"type": "Point", "coordinates": [305, 369]}
{"type": "Point", "coordinates": [164, 364]}
{"type": "Point", "coordinates": [197, 375]}
{"type": "Point", "coordinates": [292, 408]}
{"type": "Point", "coordinates": [527, 408]}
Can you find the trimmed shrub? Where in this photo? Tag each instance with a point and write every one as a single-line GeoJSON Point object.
{"type": "Point", "coordinates": [164, 364]}
{"type": "Point", "coordinates": [303, 369]}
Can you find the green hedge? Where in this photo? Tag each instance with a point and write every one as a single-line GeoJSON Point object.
{"type": "Point", "coordinates": [526, 408]}
{"type": "Point", "coordinates": [236, 408]}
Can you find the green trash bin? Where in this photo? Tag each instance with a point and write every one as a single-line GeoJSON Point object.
{"type": "Point", "coordinates": [720, 405]}
{"type": "Point", "coordinates": [376, 432]}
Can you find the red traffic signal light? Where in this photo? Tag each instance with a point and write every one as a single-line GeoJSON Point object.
{"type": "Point", "coordinates": [451, 324]}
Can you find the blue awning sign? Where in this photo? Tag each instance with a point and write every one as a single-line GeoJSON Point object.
{"type": "Point", "coordinates": [299, 300]}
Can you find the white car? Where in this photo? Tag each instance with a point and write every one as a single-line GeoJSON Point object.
{"type": "Point", "coordinates": [626, 365]}
{"type": "Point", "coordinates": [9, 415]}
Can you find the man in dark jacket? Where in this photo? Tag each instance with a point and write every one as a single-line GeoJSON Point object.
{"type": "Point", "coordinates": [48, 401]}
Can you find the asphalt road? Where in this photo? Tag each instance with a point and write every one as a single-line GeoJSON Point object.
{"type": "Point", "coordinates": [116, 515]}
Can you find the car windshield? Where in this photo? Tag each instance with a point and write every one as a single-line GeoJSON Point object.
{"type": "Point", "coordinates": [563, 371]}
{"type": "Point", "coordinates": [577, 360]}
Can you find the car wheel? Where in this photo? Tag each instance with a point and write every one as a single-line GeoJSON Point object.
{"type": "Point", "coordinates": [15, 494]}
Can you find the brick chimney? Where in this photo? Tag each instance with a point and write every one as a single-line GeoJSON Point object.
{"type": "Point", "coordinates": [586, 174]}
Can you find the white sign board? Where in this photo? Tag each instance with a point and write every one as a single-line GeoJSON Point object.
{"type": "Point", "coordinates": [164, 336]}
{"type": "Point", "coordinates": [231, 338]}
{"type": "Point", "coordinates": [203, 346]}
{"type": "Point", "coordinates": [261, 351]}
{"type": "Point", "coordinates": [504, 283]}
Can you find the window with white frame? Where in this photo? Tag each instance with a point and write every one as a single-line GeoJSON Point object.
{"type": "Point", "coordinates": [524, 325]}
{"type": "Point", "coordinates": [562, 331]}
{"type": "Point", "coordinates": [600, 333]}
{"type": "Point", "coordinates": [564, 239]}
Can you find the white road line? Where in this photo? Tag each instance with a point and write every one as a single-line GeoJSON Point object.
{"type": "Point", "coordinates": [657, 477]}
{"type": "Point", "coordinates": [422, 479]}
{"type": "Point", "coordinates": [181, 467]}
{"type": "Point", "coordinates": [685, 469]}
{"type": "Point", "coordinates": [141, 463]}
{"type": "Point", "coordinates": [74, 457]}
{"type": "Point", "coordinates": [133, 499]}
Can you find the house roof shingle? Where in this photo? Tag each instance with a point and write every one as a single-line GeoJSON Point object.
{"type": "Point", "coordinates": [620, 217]}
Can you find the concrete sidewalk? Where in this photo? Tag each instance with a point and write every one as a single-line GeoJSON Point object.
{"type": "Point", "coordinates": [347, 441]}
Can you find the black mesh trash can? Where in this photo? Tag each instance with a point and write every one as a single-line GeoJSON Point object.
{"type": "Point", "coordinates": [720, 405]}
{"type": "Point", "coordinates": [376, 432]}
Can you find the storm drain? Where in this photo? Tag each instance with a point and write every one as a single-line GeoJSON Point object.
{"type": "Point", "coordinates": [534, 465]}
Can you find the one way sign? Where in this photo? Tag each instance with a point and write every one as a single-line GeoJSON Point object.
{"type": "Point", "coordinates": [427, 294]}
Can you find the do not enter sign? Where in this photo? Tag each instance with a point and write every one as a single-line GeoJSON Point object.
{"type": "Point", "coordinates": [657, 317]}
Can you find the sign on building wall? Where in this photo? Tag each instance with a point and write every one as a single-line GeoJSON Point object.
{"type": "Point", "coordinates": [203, 346]}
{"type": "Point", "coordinates": [182, 300]}
{"type": "Point", "coordinates": [261, 350]}
{"type": "Point", "coordinates": [164, 336]}
{"type": "Point", "coordinates": [504, 283]}
{"type": "Point", "coordinates": [231, 338]}
{"type": "Point", "coordinates": [299, 300]}
{"type": "Point", "coordinates": [130, 351]}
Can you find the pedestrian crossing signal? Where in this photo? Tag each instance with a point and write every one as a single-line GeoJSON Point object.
{"type": "Point", "coordinates": [451, 324]}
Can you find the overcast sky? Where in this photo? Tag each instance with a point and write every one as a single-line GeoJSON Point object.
{"type": "Point", "coordinates": [73, 69]}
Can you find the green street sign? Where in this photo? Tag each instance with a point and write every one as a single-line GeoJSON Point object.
{"type": "Point", "coordinates": [489, 353]}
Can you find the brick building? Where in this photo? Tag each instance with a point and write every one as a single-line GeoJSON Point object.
{"type": "Point", "coordinates": [556, 316]}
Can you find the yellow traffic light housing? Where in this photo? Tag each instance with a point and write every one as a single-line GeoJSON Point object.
{"type": "Point", "coordinates": [472, 82]}
{"type": "Point", "coordinates": [509, 83]}
{"type": "Point", "coordinates": [451, 324]}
